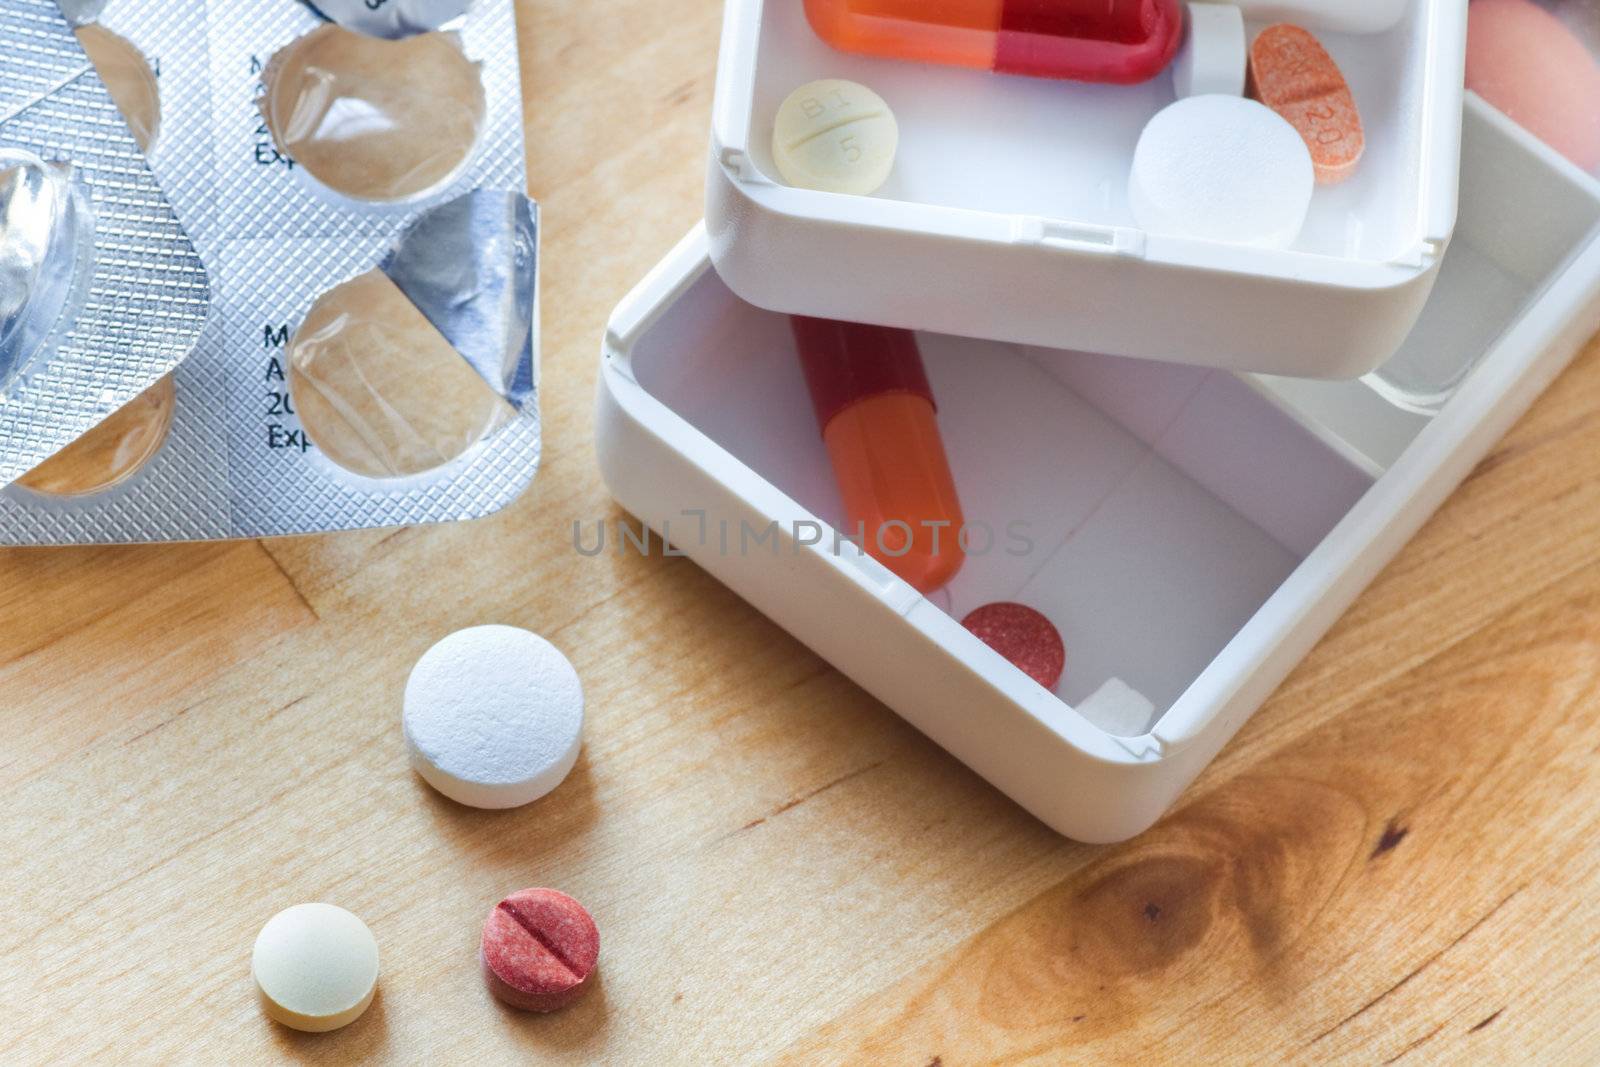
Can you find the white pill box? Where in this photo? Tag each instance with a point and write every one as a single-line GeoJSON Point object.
{"type": "Point", "coordinates": [1007, 214]}
{"type": "Point", "coordinates": [1195, 531]}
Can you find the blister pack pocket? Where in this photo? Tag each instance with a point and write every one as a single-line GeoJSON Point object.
{"type": "Point", "coordinates": [373, 359]}
{"type": "Point", "coordinates": [101, 290]}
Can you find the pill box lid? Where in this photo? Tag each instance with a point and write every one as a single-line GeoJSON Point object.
{"type": "Point", "coordinates": [1006, 217]}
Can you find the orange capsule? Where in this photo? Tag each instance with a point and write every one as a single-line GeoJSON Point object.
{"type": "Point", "coordinates": [877, 415]}
{"type": "Point", "coordinates": [1293, 74]}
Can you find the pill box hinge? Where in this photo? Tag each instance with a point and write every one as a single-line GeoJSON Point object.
{"type": "Point", "coordinates": [616, 352]}
{"type": "Point", "coordinates": [898, 594]}
{"type": "Point", "coordinates": [1146, 749]}
{"type": "Point", "coordinates": [737, 164]}
{"type": "Point", "coordinates": [1079, 237]}
{"type": "Point", "coordinates": [1422, 254]}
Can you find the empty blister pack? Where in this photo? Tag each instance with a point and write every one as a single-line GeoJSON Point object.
{"type": "Point", "coordinates": [353, 179]}
{"type": "Point", "coordinates": [101, 290]}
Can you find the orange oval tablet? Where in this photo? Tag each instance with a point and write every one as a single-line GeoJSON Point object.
{"type": "Point", "coordinates": [1293, 74]}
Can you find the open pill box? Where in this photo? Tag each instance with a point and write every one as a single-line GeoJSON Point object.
{"type": "Point", "coordinates": [1007, 213]}
{"type": "Point", "coordinates": [352, 175]}
{"type": "Point", "coordinates": [1192, 531]}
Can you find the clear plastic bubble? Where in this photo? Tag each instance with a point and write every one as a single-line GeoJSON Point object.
{"type": "Point", "coordinates": [374, 119]}
{"type": "Point", "coordinates": [129, 79]}
{"type": "Point", "coordinates": [113, 451]}
{"type": "Point", "coordinates": [379, 390]}
{"type": "Point", "coordinates": [46, 246]}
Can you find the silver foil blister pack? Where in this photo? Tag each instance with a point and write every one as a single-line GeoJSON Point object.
{"type": "Point", "coordinates": [372, 359]}
{"type": "Point", "coordinates": [101, 290]}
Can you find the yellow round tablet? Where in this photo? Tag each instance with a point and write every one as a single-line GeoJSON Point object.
{"type": "Point", "coordinates": [836, 136]}
{"type": "Point", "coordinates": [371, 118]}
{"type": "Point", "coordinates": [129, 79]}
{"type": "Point", "coordinates": [379, 390]}
{"type": "Point", "coordinates": [315, 967]}
{"type": "Point", "coordinates": [111, 452]}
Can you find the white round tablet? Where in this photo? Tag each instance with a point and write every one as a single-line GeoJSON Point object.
{"type": "Point", "coordinates": [493, 717]}
{"type": "Point", "coordinates": [1215, 52]}
{"type": "Point", "coordinates": [315, 966]}
{"type": "Point", "coordinates": [1222, 168]}
{"type": "Point", "coordinates": [836, 136]}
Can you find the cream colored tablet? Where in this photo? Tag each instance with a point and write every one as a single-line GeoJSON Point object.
{"type": "Point", "coordinates": [129, 80]}
{"type": "Point", "coordinates": [375, 119]}
{"type": "Point", "coordinates": [316, 967]}
{"type": "Point", "coordinates": [379, 390]}
{"type": "Point", "coordinates": [113, 450]}
{"type": "Point", "coordinates": [836, 136]}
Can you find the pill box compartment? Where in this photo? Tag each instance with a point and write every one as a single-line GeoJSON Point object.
{"type": "Point", "coordinates": [1193, 531]}
{"type": "Point", "coordinates": [1007, 216]}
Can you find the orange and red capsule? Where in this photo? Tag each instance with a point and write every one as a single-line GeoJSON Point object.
{"type": "Point", "coordinates": [1117, 41]}
{"type": "Point", "coordinates": [878, 421]}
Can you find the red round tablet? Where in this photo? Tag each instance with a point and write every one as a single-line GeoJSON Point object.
{"type": "Point", "coordinates": [1023, 636]}
{"type": "Point", "coordinates": [539, 947]}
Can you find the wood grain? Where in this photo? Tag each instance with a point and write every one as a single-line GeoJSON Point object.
{"type": "Point", "coordinates": [1394, 861]}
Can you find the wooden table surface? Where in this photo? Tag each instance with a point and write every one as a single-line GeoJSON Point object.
{"type": "Point", "coordinates": [1396, 859]}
